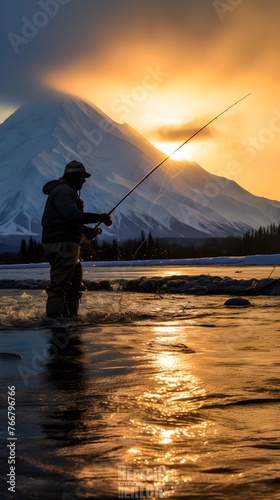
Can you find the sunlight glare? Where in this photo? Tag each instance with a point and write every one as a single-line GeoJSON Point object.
{"type": "Point", "coordinates": [187, 152]}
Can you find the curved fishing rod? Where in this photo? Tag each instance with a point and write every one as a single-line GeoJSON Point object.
{"type": "Point", "coordinates": [169, 156]}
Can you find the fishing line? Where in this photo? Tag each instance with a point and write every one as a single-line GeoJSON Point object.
{"type": "Point", "coordinates": [169, 156]}
{"type": "Point", "coordinates": [272, 271]}
{"type": "Point", "coordinates": [274, 267]}
{"type": "Point", "coordinates": [149, 214]}
{"type": "Point", "coordinates": [175, 175]}
{"type": "Point", "coordinates": [154, 202]}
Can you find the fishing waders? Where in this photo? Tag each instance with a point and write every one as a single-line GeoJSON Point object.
{"type": "Point", "coordinates": [66, 286]}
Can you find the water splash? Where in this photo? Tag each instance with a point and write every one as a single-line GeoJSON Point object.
{"type": "Point", "coordinates": [27, 309]}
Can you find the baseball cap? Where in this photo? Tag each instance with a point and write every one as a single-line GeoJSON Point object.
{"type": "Point", "coordinates": [76, 166]}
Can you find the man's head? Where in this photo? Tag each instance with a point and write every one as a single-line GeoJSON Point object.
{"type": "Point", "coordinates": [76, 167]}
{"type": "Point", "coordinates": [76, 174]}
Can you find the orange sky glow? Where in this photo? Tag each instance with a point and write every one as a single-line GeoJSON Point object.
{"type": "Point", "coordinates": [168, 71]}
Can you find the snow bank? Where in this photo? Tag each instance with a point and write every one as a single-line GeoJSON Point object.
{"type": "Point", "coordinates": [249, 260]}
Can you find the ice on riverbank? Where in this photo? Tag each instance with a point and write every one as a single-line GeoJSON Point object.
{"type": "Point", "coordinates": [247, 260]}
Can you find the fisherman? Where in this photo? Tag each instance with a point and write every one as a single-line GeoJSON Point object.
{"type": "Point", "coordinates": [63, 225]}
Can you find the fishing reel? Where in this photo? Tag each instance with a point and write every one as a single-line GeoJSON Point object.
{"type": "Point", "coordinates": [89, 233]}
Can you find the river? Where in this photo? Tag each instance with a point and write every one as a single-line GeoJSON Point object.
{"type": "Point", "coordinates": [144, 396]}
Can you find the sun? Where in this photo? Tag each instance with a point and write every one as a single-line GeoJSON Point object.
{"type": "Point", "coordinates": [187, 152]}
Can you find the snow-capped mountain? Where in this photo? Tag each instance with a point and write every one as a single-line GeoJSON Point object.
{"type": "Point", "coordinates": [180, 199]}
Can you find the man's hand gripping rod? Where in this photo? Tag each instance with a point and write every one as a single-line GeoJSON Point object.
{"type": "Point", "coordinates": [167, 158]}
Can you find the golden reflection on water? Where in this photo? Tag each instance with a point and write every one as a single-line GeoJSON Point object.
{"type": "Point", "coordinates": [174, 396]}
{"type": "Point", "coordinates": [165, 430]}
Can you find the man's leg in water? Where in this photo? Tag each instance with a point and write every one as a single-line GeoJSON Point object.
{"type": "Point", "coordinates": [63, 258]}
{"type": "Point", "coordinates": [74, 294]}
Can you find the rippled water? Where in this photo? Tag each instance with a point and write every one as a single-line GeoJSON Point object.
{"type": "Point", "coordinates": [172, 396]}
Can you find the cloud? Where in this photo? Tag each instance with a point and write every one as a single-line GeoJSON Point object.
{"type": "Point", "coordinates": [100, 51]}
{"type": "Point", "coordinates": [180, 133]}
{"type": "Point", "coordinates": [94, 40]}
{"type": "Point", "coordinates": [111, 43]}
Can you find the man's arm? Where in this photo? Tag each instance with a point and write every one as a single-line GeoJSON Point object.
{"type": "Point", "coordinates": [66, 204]}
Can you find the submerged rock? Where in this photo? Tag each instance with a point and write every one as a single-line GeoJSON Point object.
{"type": "Point", "coordinates": [176, 283]}
{"type": "Point", "coordinates": [150, 285]}
{"type": "Point", "coordinates": [237, 301]}
{"type": "Point", "coordinates": [10, 356]}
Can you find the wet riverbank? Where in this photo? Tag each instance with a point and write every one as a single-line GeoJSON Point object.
{"type": "Point", "coordinates": [178, 284]}
{"type": "Point", "coordinates": [144, 394]}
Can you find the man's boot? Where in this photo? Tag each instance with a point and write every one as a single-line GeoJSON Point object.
{"type": "Point", "coordinates": [54, 307]}
{"type": "Point", "coordinates": [72, 307]}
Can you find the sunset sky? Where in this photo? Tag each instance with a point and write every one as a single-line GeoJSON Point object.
{"type": "Point", "coordinates": [164, 66]}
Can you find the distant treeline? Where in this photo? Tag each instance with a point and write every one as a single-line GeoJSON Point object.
{"type": "Point", "coordinates": [256, 241]}
{"type": "Point", "coordinates": [33, 251]}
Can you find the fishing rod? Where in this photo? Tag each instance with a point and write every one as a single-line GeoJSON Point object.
{"type": "Point", "coordinates": [169, 156]}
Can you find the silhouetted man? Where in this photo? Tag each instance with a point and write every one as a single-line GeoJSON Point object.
{"type": "Point", "coordinates": [62, 223]}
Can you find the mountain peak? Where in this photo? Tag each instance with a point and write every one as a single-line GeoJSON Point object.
{"type": "Point", "coordinates": [42, 136]}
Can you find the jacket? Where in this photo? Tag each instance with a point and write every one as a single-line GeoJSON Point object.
{"type": "Point", "coordinates": [63, 217]}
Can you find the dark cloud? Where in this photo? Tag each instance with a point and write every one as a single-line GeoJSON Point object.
{"type": "Point", "coordinates": [101, 39]}
{"type": "Point", "coordinates": [42, 35]}
{"type": "Point", "coordinates": [180, 133]}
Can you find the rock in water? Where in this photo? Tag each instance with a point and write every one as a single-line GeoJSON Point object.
{"type": "Point", "coordinates": [10, 355]}
{"type": "Point", "coordinates": [237, 301]}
